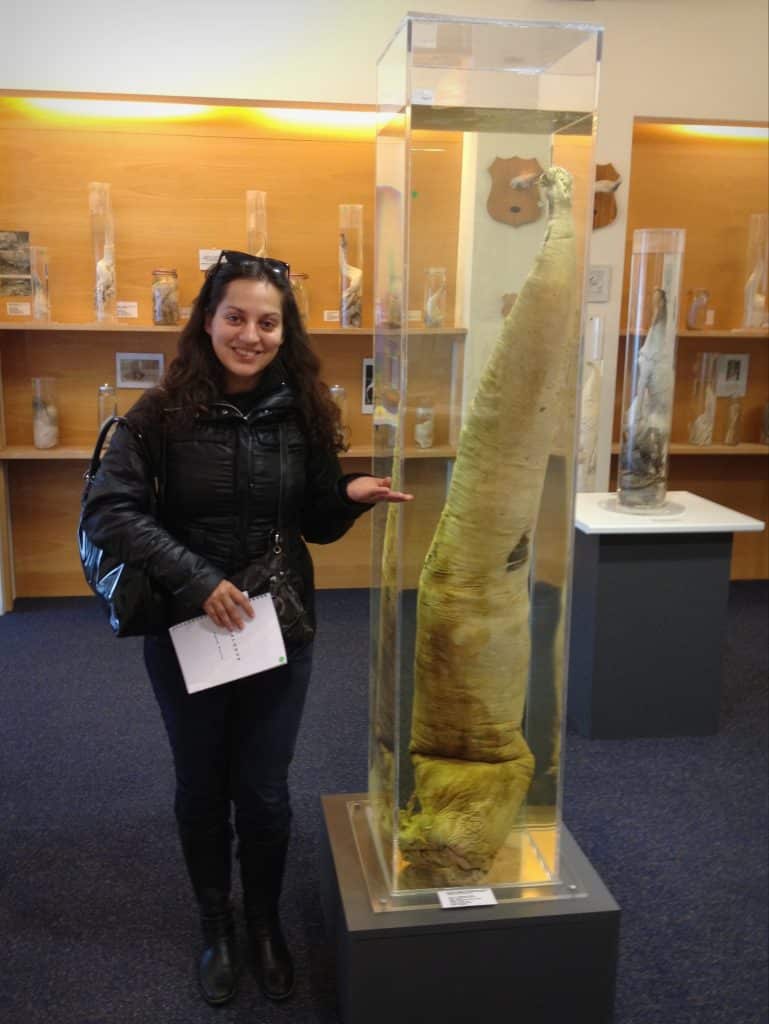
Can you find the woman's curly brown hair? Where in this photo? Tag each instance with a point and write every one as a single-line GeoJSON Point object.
{"type": "Point", "coordinates": [195, 379]}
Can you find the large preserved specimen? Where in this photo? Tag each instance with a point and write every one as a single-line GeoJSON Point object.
{"type": "Point", "coordinates": [472, 765]}
{"type": "Point", "coordinates": [647, 399]}
{"type": "Point", "coordinates": [103, 240]}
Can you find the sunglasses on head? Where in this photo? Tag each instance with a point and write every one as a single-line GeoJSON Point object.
{"type": "Point", "coordinates": [241, 259]}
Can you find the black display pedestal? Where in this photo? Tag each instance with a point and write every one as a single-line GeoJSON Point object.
{"type": "Point", "coordinates": [541, 962]}
{"type": "Point", "coordinates": [647, 632]}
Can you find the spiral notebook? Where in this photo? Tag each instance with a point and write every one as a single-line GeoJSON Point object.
{"type": "Point", "coordinates": [210, 656]}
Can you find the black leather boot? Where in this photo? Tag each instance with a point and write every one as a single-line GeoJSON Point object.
{"type": "Point", "coordinates": [218, 967]}
{"type": "Point", "coordinates": [261, 868]}
{"type": "Point", "coordinates": [207, 856]}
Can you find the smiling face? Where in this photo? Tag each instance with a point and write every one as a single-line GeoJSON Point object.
{"type": "Point", "coordinates": [246, 331]}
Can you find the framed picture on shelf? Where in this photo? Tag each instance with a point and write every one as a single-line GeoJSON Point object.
{"type": "Point", "coordinates": [367, 386]}
{"type": "Point", "coordinates": [138, 369]}
{"type": "Point", "coordinates": [732, 375]}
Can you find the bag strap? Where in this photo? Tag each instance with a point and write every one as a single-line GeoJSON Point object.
{"type": "Point", "coordinates": [159, 472]}
{"type": "Point", "coordinates": [282, 482]}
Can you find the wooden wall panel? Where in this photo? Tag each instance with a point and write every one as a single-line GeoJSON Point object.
{"type": "Point", "coordinates": [177, 188]}
{"type": "Point", "coordinates": [709, 186]}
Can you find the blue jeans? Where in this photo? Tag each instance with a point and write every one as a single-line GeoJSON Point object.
{"type": "Point", "coordinates": [232, 745]}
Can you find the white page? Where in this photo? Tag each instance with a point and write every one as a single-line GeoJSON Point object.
{"type": "Point", "coordinates": [210, 656]}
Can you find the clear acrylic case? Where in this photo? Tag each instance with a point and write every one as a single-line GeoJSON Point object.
{"type": "Point", "coordinates": [484, 168]}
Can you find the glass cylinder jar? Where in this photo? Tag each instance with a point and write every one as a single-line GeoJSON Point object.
{"type": "Point", "coordinates": [590, 404]}
{"type": "Point", "coordinates": [165, 297]}
{"type": "Point", "coordinates": [103, 240]}
{"type": "Point", "coordinates": [350, 264]}
{"type": "Point", "coordinates": [650, 355]}
{"type": "Point", "coordinates": [301, 290]}
{"type": "Point", "coordinates": [424, 423]}
{"type": "Point", "coordinates": [434, 306]}
{"type": "Point", "coordinates": [339, 398]}
{"type": "Point", "coordinates": [45, 412]}
{"type": "Point", "coordinates": [256, 222]}
{"type": "Point", "coordinates": [703, 415]}
{"type": "Point", "coordinates": [756, 291]}
{"type": "Point", "coordinates": [38, 261]}
{"type": "Point", "coordinates": [106, 404]}
{"type": "Point", "coordinates": [698, 307]}
{"type": "Point", "coordinates": [733, 427]}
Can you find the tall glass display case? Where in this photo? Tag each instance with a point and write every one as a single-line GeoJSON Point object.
{"type": "Point", "coordinates": [469, 605]}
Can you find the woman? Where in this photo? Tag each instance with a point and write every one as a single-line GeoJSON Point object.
{"type": "Point", "coordinates": [244, 373]}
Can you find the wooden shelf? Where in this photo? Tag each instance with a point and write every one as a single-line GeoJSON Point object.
{"type": "Point", "coordinates": [735, 333]}
{"type": "Point", "coordinates": [106, 328]}
{"type": "Point", "coordinates": [28, 452]}
{"type": "Point", "coordinates": [678, 448]}
{"type": "Point", "coordinates": [126, 328]}
{"type": "Point", "coordinates": [439, 451]}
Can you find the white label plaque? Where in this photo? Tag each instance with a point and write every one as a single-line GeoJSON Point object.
{"type": "Point", "coordinates": [129, 310]}
{"type": "Point", "coordinates": [207, 257]}
{"type": "Point", "coordinates": [331, 316]}
{"type": "Point", "coordinates": [18, 308]}
{"type": "Point", "coordinates": [452, 899]}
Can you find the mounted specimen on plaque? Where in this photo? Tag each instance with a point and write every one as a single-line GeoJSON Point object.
{"type": "Point", "coordinates": [514, 198]}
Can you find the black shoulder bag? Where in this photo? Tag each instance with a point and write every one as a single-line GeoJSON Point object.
{"type": "Point", "coordinates": [134, 604]}
{"type": "Point", "coordinates": [273, 574]}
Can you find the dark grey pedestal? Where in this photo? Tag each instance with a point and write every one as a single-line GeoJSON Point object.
{"type": "Point", "coordinates": [647, 631]}
{"type": "Point", "coordinates": [541, 962]}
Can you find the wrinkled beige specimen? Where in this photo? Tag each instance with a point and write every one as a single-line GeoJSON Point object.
{"type": "Point", "coordinates": [472, 764]}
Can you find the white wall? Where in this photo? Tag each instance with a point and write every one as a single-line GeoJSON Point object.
{"type": "Point", "coordinates": [662, 58]}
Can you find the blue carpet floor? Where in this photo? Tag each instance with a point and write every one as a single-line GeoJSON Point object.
{"type": "Point", "coordinates": [96, 923]}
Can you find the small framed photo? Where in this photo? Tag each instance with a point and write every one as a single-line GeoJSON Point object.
{"type": "Point", "coordinates": [367, 386]}
{"type": "Point", "coordinates": [138, 369]}
{"type": "Point", "coordinates": [732, 375]}
{"type": "Point", "coordinates": [599, 284]}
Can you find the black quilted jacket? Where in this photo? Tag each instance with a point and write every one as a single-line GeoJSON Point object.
{"type": "Point", "coordinates": [220, 492]}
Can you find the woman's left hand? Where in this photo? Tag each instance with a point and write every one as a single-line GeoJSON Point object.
{"type": "Point", "coordinates": [371, 489]}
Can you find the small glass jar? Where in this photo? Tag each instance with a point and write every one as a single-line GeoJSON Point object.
{"type": "Point", "coordinates": [434, 309]}
{"type": "Point", "coordinates": [424, 424]}
{"type": "Point", "coordinates": [301, 290]}
{"type": "Point", "coordinates": [696, 315]}
{"type": "Point", "coordinates": [45, 412]}
{"type": "Point", "coordinates": [165, 297]}
{"type": "Point", "coordinates": [106, 404]}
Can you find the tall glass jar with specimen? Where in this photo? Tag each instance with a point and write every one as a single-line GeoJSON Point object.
{"type": "Point", "coordinates": [350, 264]}
{"type": "Point", "coordinates": [38, 261]}
{"type": "Point", "coordinates": [590, 404]}
{"type": "Point", "coordinates": [256, 222]}
{"type": "Point", "coordinates": [650, 356]}
{"type": "Point", "coordinates": [703, 415]}
{"type": "Point", "coordinates": [756, 297]}
{"type": "Point", "coordinates": [434, 305]}
{"type": "Point", "coordinates": [103, 240]}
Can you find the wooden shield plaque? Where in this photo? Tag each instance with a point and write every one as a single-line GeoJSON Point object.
{"type": "Point", "coordinates": [514, 195]}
